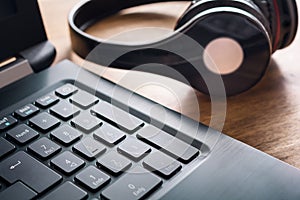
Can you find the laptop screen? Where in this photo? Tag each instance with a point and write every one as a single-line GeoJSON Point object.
{"type": "Point", "coordinates": [7, 8]}
{"type": "Point", "coordinates": [21, 27]}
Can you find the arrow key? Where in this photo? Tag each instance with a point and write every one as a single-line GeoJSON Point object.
{"type": "Point", "coordinates": [67, 162]}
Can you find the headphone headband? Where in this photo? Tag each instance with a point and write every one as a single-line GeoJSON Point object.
{"type": "Point", "coordinates": [88, 12]}
{"type": "Point", "coordinates": [250, 24]}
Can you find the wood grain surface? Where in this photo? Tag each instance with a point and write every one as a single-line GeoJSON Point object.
{"type": "Point", "coordinates": [266, 117]}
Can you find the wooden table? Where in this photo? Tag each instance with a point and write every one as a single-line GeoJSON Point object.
{"type": "Point", "coordinates": [266, 117]}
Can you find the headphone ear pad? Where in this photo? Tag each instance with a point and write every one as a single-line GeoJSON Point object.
{"type": "Point", "coordinates": [283, 19]}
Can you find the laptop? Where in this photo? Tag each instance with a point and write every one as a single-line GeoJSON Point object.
{"type": "Point", "coordinates": [66, 133]}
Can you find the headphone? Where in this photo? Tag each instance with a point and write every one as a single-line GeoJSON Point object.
{"type": "Point", "coordinates": [239, 35]}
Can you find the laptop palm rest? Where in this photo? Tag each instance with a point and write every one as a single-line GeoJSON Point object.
{"type": "Point", "coordinates": [234, 170]}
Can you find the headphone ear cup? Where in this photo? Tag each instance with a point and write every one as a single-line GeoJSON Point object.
{"type": "Point", "coordinates": [241, 28]}
{"type": "Point", "coordinates": [248, 5]}
{"type": "Point", "coordinates": [190, 12]}
{"type": "Point", "coordinates": [268, 10]}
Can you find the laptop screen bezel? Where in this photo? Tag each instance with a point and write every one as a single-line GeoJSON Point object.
{"type": "Point", "coordinates": [20, 29]}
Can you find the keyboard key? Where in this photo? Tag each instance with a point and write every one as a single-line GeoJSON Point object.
{"type": "Point", "coordinates": [66, 90]}
{"type": "Point", "coordinates": [114, 162]}
{"type": "Point", "coordinates": [89, 148]}
{"type": "Point", "coordinates": [92, 178]}
{"type": "Point", "coordinates": [168, 143]}
{"type": "Point", "coordinates": [5, 147]}
{"type": "Point", "coordinates": [44, 148]}
{"type": "Point", "coordinates": [86, 122]}
{"type": "Point", "coordinates": [44, 122]}
{"type": "Point", "coordinates": [162, 164]}
{"type": "Point", "coordinates": [22, 167]}
{"type": "Point", "coordinates": [109, 135]}
{"type": "Point", "coordinates": [135, 185]}
{"type": "Point", "coordinates": [7, 122]}
{"type": "Point", "coordinates": [66, 134]}
{"type": "Point", "coordinates": [46, 101]}
{"type": "Point", "coordinates": [134, 149]}
{"type": "Point", "coordinates": [67, 191]}
{"type": "Point", "coordinates": [22, 134]}
{"type": "Point", "coordinates": [17, 191]}
{"type": "Point", "coordinates": [26, 111]}
{"type": "Point", "coordinates": [84, 99]}
{"type": "Point", "coordinates": [123, 120]}
{"type": "Point", "coordinates": [67, 162]}
{"type": "Point", "coordinates": [64, 110]}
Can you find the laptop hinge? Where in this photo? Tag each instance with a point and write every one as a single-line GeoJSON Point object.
{"type": "Point", "coordinates": [39, 56]}
{"type": "Point", "coordinates": [31, 60]}
{"type": "Point", "coordinates": [14, 71]}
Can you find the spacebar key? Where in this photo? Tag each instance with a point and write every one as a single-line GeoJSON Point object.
{"type": "Point", "coordinates": [135, 185]}
{"type": "Point", "coordinates": [24, 168]}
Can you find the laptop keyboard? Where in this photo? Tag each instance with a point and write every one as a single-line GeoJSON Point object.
{"type": "Point", "coordinates": [69, 144]}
